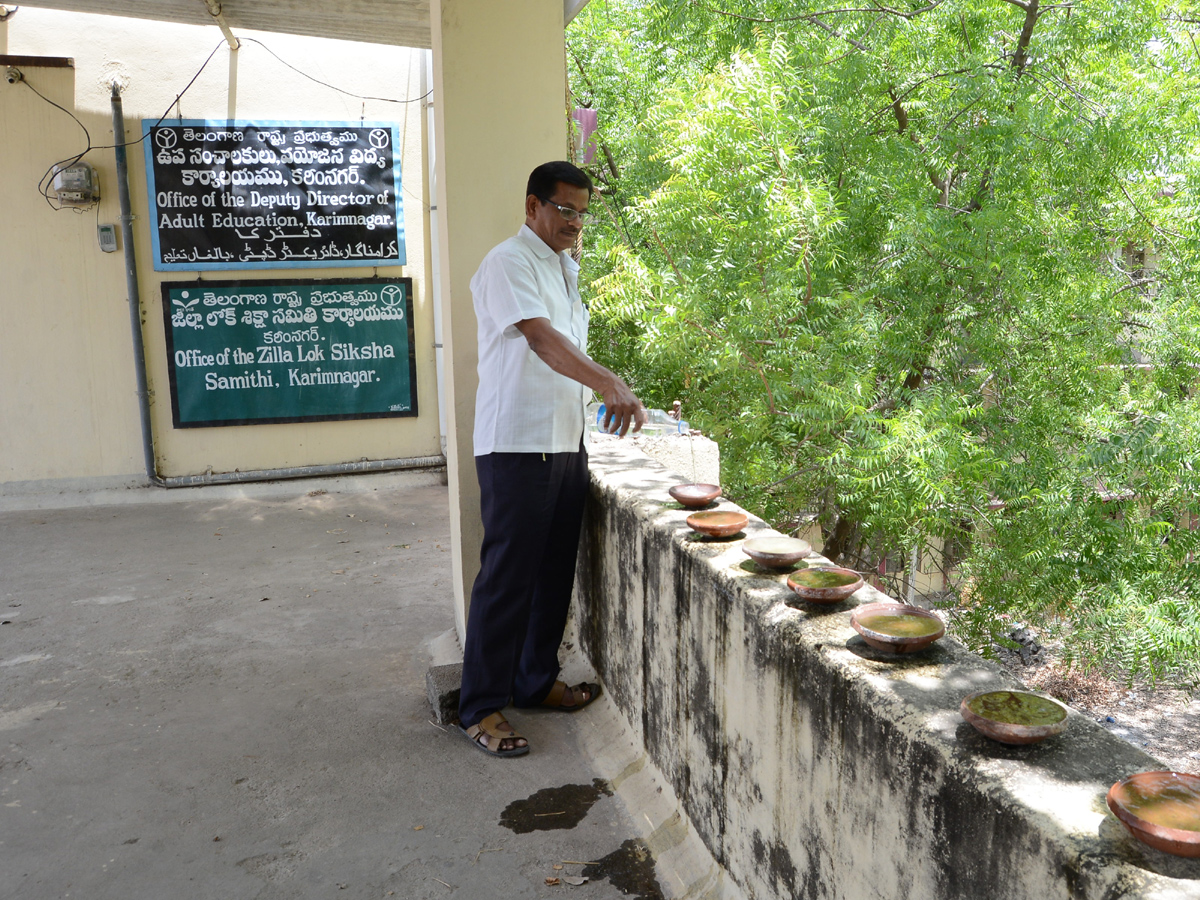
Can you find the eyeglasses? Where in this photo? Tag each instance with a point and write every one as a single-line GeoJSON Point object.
{"type": "Point", "coordinates": [569, 213]}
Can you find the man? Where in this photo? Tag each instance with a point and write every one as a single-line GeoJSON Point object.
{"type": "Point", "coordinates": [535, 380]}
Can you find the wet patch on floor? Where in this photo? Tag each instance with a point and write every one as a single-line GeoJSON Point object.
{"type": "Point", "coordinates": [551, 809]}
{"type": "Point", "coordinates": [630, 869]}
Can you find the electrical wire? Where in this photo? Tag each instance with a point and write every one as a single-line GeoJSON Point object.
{"type": "Point", "coordinates": [327, 84]}
{"type": "Point", "coordinates": [362, 97]}
{"type": "Point", "coordinates": [46, 180]}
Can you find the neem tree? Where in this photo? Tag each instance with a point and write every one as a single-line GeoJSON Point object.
{"type": "Point", "coordinates": [926, 272]}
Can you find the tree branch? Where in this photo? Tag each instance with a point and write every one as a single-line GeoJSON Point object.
{"type": "Point", "coordinates": [753, 364]}
{"type": "Point", "coordinates": [617, 218]}
{"type": "Point", "coordinates": [942, 185]}
{"type": "Point", "coordinates": [985, 184]}
{"type": "Point", "coordinates": [838, 541]}
{"type": "Point", "coordinates": [913, 87]}
{"type": "Point", "coordinates": [814, 18]}
{"type": "Point", "coordinates": [808, 17]}
{"type": "Point", "coordinates": [612, 163]}
{"type": "Point", "coordinates": [796, 474]}
{"type": "Point", "coordinates": [912, 14]}
{"type": "Point", "coordinates": [668, 255]}
{"type": "Point", "coordinates": [1020, 57]}
{"type": "Point", "coordinates": [829, 28]}
{"type": "Point", "coordinates": [1146, 218]}
{"type": "Point", "coordinates": [1053, 80]}
{"type": "Point", "coordinates": [898, 109]}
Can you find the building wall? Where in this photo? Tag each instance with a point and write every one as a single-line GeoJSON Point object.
{"type": "Point", "coordinates": [67, 386]}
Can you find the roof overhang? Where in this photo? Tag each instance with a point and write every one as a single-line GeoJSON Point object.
{"type": "Point", "coordinates": [404, 23]}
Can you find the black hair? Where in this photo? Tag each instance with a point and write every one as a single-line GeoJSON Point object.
{"type": "Point", "coordinates": [543, 181]}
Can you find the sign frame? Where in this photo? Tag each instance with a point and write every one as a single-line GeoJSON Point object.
{"type": "Point", "coordinates": [267, 285]}
{"type": "Point", "coordinates": [156, 211]}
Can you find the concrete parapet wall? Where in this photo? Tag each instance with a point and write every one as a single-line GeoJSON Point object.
{"type": "Point", "coordinates": [812, 766]}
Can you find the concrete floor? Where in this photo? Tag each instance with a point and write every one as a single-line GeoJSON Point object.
{"type": "Point", "coordinates": [219, 693]}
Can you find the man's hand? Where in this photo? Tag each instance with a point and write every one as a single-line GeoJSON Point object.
{"type": "Point", "coordinates": [623, 410]}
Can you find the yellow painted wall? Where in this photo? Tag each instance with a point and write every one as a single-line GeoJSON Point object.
{"type": "Point", "coordinates": [67, 396]}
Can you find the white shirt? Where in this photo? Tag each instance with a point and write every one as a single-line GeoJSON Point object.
{"type": "Point", "coordinates": [522, 405]}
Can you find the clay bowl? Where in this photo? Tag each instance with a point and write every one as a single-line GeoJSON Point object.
{"type": "Point", "coordinates": [1161, 809]}
{"type": "Point", "coordinates": [718, 522]}
{"type": "Point", "coordinates": [776, 552]}
{"type": "Point", "coordinates": [1014, 717]}
{"type": "Point", "coordinates": [695, 496]}
{"type": "Point", "coordinates": [825, 584]}
{"type": "Point", "coordinates": [896, 627]}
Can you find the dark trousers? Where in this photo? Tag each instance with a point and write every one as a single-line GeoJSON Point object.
{"type": "Point", "coordinates": [532, 509]}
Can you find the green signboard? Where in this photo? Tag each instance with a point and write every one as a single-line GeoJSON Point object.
{"type": "Point", "coordinates": [255, 352]}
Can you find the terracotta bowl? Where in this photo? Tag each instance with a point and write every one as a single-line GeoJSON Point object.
{"type": "Point", "coordinates": [695, 496]}
{"type": "Point", "coordinates": [1161, 809]}
{"type": "Point", "coordinates": [718, 522]}
{"type": "Point", "coordinates": [1014, 717]}
{"type": "Point", "coordinates": [776, 552]}
{"type": "Point", "coordinates": [908, 628]}
{"type": "Point", "coordinates": [825, 584]}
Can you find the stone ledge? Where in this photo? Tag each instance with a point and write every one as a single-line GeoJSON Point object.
{"type": "Point", "coordinates": [811, 766]}
{"type": "Point", "coordinates": [695, 457]}
{"type": "Point", "coordinates": [442, 684]}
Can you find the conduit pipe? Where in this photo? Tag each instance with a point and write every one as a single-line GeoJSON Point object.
{"type": "Point", "coordinates": [214, 10]}
{"type": "Point", "coordinates": [131, 282]}
{"type": "Point", "coordinates": [349, 468]}
{"type": "Point", "coordinates": [435, 270]}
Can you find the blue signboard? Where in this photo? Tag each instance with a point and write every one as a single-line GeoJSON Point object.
{"type": "Point", "coordinates": [273, 195]}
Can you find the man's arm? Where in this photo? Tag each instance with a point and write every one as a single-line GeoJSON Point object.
{"type": "Point", "coordinates": [623, 410]}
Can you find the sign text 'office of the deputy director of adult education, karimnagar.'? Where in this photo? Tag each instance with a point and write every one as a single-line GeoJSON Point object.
{"type": "Point", "coordinates": [270, 195]}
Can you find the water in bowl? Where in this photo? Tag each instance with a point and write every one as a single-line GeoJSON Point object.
{"type": "Point", "coordinates": [901, 626]}
{"type": "Point", "coordinates": [1166, 800]}
{"type": "Point", "coordinates": [1017, 708]}
{"type": "Point", "coordinates": [819, 578]}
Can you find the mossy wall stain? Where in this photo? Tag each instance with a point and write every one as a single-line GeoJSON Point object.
{"type": "Point", "coordinates": [776, 859]}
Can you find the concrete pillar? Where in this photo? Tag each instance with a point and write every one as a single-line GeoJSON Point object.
{"type": "Point", "coordinates": [500, 110]}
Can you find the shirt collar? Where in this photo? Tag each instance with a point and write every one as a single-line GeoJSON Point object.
{"type": "Point", "coordinates": [544, 250]}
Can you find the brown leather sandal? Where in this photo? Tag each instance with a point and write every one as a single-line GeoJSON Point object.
{"type": "Point", "coordinates": [495, 730]}
{"type": "Point", "coordinates": [554, 700]}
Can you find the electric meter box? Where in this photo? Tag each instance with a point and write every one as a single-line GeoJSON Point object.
{"type": "Point", "coordinates": [76, 185]}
